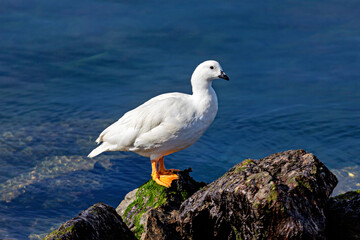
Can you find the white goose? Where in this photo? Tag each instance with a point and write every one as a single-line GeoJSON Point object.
{"type": "Point", "coordinates": [166, 123]}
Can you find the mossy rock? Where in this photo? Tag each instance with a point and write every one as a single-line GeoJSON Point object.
{"type": "Point", "coordinates": [64, 230]}
{"type": "Point", "coordinates": [150, 196]}
{"type": "Point", "coordinates": [349, 196]}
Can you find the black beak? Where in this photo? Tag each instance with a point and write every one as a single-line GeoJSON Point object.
{"type": "Point", "coordinates": [224, 76]}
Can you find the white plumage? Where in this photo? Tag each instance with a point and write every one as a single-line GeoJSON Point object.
{"type": "Point", "coordinates": [166, 123]}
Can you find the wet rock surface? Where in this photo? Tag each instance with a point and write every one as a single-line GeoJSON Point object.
{"type": "Point", "coordinates": [279, 197]}
{"type": "Point", "coordinates": [99, 222]}
{"type": "Point", "coordinates": [343, 216]}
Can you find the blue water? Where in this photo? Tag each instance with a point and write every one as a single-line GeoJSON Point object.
{"type": "Point", "coordinates": [68, 69]}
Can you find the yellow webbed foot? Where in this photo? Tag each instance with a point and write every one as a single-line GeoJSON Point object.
{"type": "Point", "coordinates": [160, 182]}
{"type": "Point", "coordinates": [167, 179]}
{"type": "Point", "coordinates": [163, 177]}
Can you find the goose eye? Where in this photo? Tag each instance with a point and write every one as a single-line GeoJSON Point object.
{"type": "Point", "coordinates": [211, 67]}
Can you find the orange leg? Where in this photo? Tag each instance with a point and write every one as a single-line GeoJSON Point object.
{"type": "Point", "coordinates": [163, 170]}
{"type": "Point", "coordinates": [161, 179]}
{"type": "Point", "coordinates": [155, 175]}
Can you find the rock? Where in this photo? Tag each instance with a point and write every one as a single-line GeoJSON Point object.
{"type": "Point", "coordinates": [151, 210]}
{"type": "Point", "coordinates": [282, 196]}
{"type": "Point", "coordinates": [99, 222]}
{"type": "Point", "coordinates": [129, 198]}
{"type": "Point", "coordinates": [279, 197]}
{"type": "Point", "coordinates": [343, 216]}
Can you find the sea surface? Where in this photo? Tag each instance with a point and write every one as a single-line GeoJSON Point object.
{"type": "Point", "coordinates": [68, 69]}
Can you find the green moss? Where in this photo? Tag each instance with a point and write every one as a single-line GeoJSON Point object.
{"type": "Point", "coordinates": [314, 169]}
{"type": "Point", "coordinates": [347, 196]}
{"type": "Point", "coordinates": [273, 195]}
{"type": "Point", "coordinates": [300, 181]}
{"type": "Point", "coordinates": [237, 233]}
{"type": "Point", "coordinates": [304, 183]}
{"type": "Point", "coordinates": [94, 209]}
{"type": "Point", "coordinates": [139, 229]}
{"type": "Point", "coordinates": [282, 208]}
{"type": "Point", "coordinates": [184, 194]}
{"type": "Point", "coordinates": [256, 204]}
{"type": "Point", "coordinates": [59, 232]}
{"type": "Point", "coordinates": [240, 169]}
{"type": "Point", "coordinates": [243, 165]}
{"type": "Point", "coordinates": [149, 195]}
{"type": "Point", "coordinates": [247, 162]}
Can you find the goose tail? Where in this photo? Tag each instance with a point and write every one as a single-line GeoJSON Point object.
{"type": "Point", "coordinates": [100, 149]}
